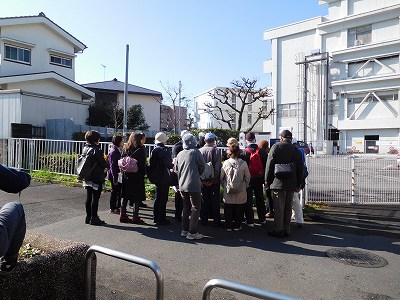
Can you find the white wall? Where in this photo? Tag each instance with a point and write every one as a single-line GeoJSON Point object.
{"type": "Point", "coordinates": [151, 108]}
{"type": "Point", "coordinates": [10, 112]}
{"type": "Point", "coordinates": [357, 6]}
{"type": "Point", "coordinates": [43, 38]}
{"type": "Point", "coordinates": [48, 87]}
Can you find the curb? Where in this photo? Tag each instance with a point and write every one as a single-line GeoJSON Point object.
{"type": "Point", "coordinates": [357, 222]}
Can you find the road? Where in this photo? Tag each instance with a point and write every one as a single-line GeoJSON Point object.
{"type": "Point", "coordinates": [297, 266]}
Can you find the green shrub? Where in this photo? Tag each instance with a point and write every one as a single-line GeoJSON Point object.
{"type": "Point", "coordinates": [58, 162]}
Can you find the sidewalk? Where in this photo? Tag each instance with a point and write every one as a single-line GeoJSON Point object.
{"type": "Point", "coordinates": [375, 218]}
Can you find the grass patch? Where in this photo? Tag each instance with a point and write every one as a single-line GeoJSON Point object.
{"type": "Point", "coordinates": [28, 251]}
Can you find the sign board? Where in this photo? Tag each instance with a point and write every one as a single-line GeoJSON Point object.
{"type": "Point", "coordinates": [110, 131]}
{"type": "Point", "coordinates": [387, 143]}
{"type": "Point", "coordinates": [358, 144]}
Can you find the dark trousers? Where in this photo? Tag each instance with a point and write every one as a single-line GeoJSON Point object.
{"type": "Point", "coordinates": [270, 201]}
{"type": "Point", "coordinates": [233, 215]}
{"type": "Point", "coordinates": [92, 202]}
{"type": "Point", "coordinates": [115, 197]}
{"type": "Point", "coordinates": [282, 209]}
{"type": "Point", "coordinates": [211, 203]}
{"type": "Point", "coordinates": [160, 203]}
{"type": "Point", "coordinates": [12, 230]}
{"type": "Point", "coordinates": [191, 211]}
{"type": "Point", "coordinates": [260, 203]}
{"type": "Point", "coordinates": [178, 206]}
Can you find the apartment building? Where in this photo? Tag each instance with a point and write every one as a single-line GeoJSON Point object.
{"type": "Point", "coordinates": [336, 78]}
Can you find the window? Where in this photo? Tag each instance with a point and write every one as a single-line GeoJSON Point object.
{"type": "Point", "coordinates": [250, 107]}
{"type": "Point", "coordinates": [233, 99]}
{"type": "Point", "coordinates": [287, 110]}
{"type": "Point", "coordinates": [249, 119]}
{"type": "Point", "coordinates": [333, 107]}
{"type": "Point", "coordinates": [61, 61]}
{"type": "Point", "coordinates": [17, 54]}
{"type": "Point", "coordinates": [359, 36]}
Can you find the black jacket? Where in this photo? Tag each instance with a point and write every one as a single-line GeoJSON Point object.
{"type": "Point", "coordinates": [98, 160]}
{"type": "Point", "coordinates": [161, 160]}
{"type": "Point", "coordinates": [284, 153]}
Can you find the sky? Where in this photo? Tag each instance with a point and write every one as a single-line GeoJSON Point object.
{"type": "Point", "coordinates": [202, 43]}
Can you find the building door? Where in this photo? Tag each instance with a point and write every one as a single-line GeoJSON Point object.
{"type": "Point", "coordinates": [370, 144]}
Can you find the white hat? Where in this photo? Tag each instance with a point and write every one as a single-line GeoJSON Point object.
{"type": "Point", "coordinates": [183, 132]}
{"type": "Point", "coordinates": [160, 137]}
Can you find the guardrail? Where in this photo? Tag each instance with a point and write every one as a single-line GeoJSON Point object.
{"type": "Point", "coordinates": [127, 257]}
{"type": "Point", "coordinates": [242, 289]}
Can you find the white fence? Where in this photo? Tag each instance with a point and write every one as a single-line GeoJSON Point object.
{"type": "Point", "coordinates": [357, 179]}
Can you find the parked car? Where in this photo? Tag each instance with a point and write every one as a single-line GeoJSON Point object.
{"type": "Point", "coordinates": [305, 146]}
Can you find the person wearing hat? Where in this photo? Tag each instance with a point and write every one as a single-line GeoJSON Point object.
{"type": "Point", "coordinates": [160, 162]}
{"type": "Point", "coordinates": [284, 176]}
{"type": "Point", "coordinates": [210, 187]}
{"type": "Point", "coordinates": [178, 147]}
{"type": "Point", "coordinates": [256, 159]}
{"type": "Point", "coordinates": [201, 142]}
{"type": "Point", "coordinates": [189, 165]}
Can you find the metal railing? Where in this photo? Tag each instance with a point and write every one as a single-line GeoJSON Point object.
{"type": "Point", "coordinates": [127, 257]}
{"type": "Point", "coordinates": [356, 179]}
{"type": "Point", "coordinates": [243, 289]}
{"type": "Point", "coordinates": [361, 178]}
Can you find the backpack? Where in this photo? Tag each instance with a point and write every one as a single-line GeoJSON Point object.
{"type": "Point", "coordinates": [84, 165]}
{"type": "Point", "coordinates": [128, 164]}
{"type": "Point", "coordinates": [234, 182]}
{"type": "Point", "coordinates": [256, 167]}
{"type": "Point", "coordinates": [209, 172]}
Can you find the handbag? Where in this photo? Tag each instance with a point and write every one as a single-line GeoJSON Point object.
{"type": "Point", "coordinates": [284, 171]}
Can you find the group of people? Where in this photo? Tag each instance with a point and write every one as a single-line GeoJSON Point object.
{"type": "Point", "coordinates": [200, 172]}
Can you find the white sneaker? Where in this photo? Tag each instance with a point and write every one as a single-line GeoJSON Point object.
{"type": "Point", "coordinates": [194, 236]}
{"type": "Point", "coordinates": [184, 233]}
{"type": "Point", "coordinates": [250, 225]}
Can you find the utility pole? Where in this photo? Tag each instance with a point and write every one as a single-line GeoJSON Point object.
{"type": "Point", "coordinates": [125, 128]}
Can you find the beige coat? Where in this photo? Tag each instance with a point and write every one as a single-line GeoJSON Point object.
{"type": "Point", "coordinates": [239, 198]}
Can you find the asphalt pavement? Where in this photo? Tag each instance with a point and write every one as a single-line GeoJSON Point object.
{"type": "Point", "coordinates": [297, 266]}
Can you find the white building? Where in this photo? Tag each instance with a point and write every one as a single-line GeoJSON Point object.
{"type": "Point", "coordinates": [205, 117]}
{"type": "Point", "coordinates": [339, 76]}
{"type": "Point", "coordinates": [37, 73]}
{"type": "Point", "coordinates": [113, 91]}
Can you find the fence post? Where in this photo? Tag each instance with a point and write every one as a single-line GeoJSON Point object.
{"type": "Point", "coordinates": [353, 178]}
{"type": "Point", "coordinates": [31, 155]}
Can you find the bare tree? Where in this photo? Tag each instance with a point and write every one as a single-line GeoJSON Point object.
{"type": "Point", "coordinates": [245, 93]}
{"type": "Point", "coordinates": [179, 107]}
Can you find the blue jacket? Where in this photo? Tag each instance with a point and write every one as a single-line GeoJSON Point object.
{"type": "Point", "coordinates": [12, 180]}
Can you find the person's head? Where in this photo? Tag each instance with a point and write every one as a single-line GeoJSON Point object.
{"type": "Point", "coordinates": [143, 138]}
{"type": "Point", "coordinates": [286, 135]}
{"type": "Point", "coordinates": [232, 142]}
{"type": "Point", "coordinates": [233, 151]}
{"type": "Point", "coordinates": [160, 138]}
{"type": "Point", "coordinates": [92, 137]}
{"type": "Point", "coordinates": [263, 144]}
{"type": "Point", "coordinates": [117, 141]}
{"type": "Point", "coordinates": [183, 132]}
{"type": "Point", "coordinates": [210, 138]}
{"type": "Point", "coordinates": [250, 138]}
{"type": "Point", "coordinates": [135, 140]}
{"type": "Point", "coordinates": [189, 141]}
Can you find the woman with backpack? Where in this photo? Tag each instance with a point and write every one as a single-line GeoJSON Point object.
{"type": "Point", "coordinates": [133, 187]}
{"type": "Point", "coordinates": [235, 179]}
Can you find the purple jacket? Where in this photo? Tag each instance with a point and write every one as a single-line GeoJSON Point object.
{"type": "Point", "coordinates": [113, 156]}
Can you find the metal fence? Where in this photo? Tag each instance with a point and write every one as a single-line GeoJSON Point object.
{"type": "Point", "coordinates": [357, 179]}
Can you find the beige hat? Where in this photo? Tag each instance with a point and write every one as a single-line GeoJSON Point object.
{"type": "Point", "coordinates": [232, 141]}
{"type": "Point", "coordinates": [160, 137]}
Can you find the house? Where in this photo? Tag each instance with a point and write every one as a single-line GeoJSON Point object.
{"type": "Point", "coordinates": [37, 75]}
{"type": "Point", "coordinates": [113, 91]}
{"type": "Point", "coordinates": [336, 79]}
{"type": "Point", "coordinates": [170, 120]}
{"type": "Point", "coordinates": [209, 116]}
